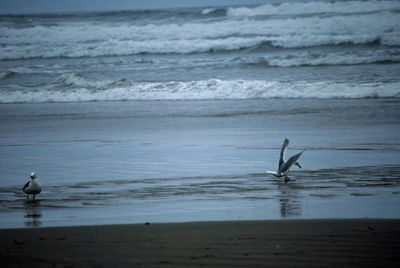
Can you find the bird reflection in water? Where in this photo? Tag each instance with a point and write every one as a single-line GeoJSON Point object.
{"type": "Point", "coordinates": [289, 200]}
{"type": "Point", "coordinates": [33, 213]}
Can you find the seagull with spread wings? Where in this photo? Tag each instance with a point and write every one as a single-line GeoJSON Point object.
{"type": "Point", "coordinates": [284, 166]}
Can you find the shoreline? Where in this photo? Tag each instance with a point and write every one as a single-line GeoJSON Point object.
{"type": "Point", "coordinates": [111, 225]}
{"type": "Point", "coordinates": [273, 243]}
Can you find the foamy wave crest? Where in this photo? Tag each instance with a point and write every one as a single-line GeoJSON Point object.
{"type": "Point", "coordinates": [207, 11]}
{"type": "Point", "coordinates": [6, 74]}
{"type": "Point", "coordinates": [210, 89]}
{"type": "Point", "coordinates": [78, 80]}
{"type": "Point", "coordinates": [295, 8]}
{"type": "Point", "coordinates": [315, 58]}
{"type": "Point", "coordinates": [129, 47]}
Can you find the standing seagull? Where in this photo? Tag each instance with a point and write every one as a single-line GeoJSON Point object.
{"type": "Point", "coordinates": [284, 166]}
{"type": "Point", "coordinates": [32, 187]}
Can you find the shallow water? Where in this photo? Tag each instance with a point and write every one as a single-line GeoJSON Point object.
{"type": "Point", "coordinates": [354, 192]}
{"type": "Point", "coordinates": [134, 162]}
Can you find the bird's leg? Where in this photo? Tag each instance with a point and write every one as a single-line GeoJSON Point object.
{"type": "Point", "coordinates": [27, 196]}
{"type": "Point", "coordinates": [287, 179]}
{"type": "Point", "coordinates": [33, 197]}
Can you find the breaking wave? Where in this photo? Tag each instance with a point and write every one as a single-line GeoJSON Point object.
{"type": "Point", "coordinates": [6, 74]}
{"type": "Point", "coordinates": [380, 23]}
{"type": "Point", "coordinates": [207, 11]}
{"type": "Point", "coordinates": [78, 80]}
{"type": "Point", "coordinates": [296, 8]}
{"type": "Point", "coordinates": [208, 90]}
{"type": "Point", "coordinates": [321, 58]}
{"type": "Point", "coordinates": [129, 47]}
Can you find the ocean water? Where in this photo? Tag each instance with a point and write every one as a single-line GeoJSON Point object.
{"type": "Point", "coordinates": [176, 114]}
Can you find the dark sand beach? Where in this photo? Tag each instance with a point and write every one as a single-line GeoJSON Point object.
{"type": "Point", "coordinates": [276, 243]}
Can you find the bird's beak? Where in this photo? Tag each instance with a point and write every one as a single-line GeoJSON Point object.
{"type": "Point", "coordinates": [298, 164]}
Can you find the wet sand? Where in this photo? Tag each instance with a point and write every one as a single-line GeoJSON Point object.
{"type": "Point", "coordinates": [276, 243]}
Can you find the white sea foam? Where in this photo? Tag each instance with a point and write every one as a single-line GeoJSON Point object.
{"type": "Point", "coordinates": [293, 8]}
{"type": "Point", "coordinates": [208, 89]}
{"type": "Point", "coordinates": [208, 11]}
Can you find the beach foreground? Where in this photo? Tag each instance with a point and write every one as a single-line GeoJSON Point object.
{"type": "Point", "coordinates": [276, 243]}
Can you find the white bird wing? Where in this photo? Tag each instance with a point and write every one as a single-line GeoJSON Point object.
{"type": "Point", "coordinates": [283, 151]}
{"type": "Point", "coordinates": [273, 173]}
{"type": "Point", "coordinates": [290, 162]}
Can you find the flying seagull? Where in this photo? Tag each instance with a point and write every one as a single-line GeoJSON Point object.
{"type": "Point", "coordinates": [284, 166]}
{"type": "Point", "coordinates": [32, 187]}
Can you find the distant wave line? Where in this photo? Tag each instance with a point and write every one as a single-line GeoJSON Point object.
{"type": "Point", "coordinates": [231, 44]}
{"type": "Point", "coordinates": [282, 8]}
{"type": "Point", "coordinates": [315, 7]}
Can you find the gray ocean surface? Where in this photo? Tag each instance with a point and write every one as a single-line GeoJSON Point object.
{"type": "Point", "coordinates": [175, 115]}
